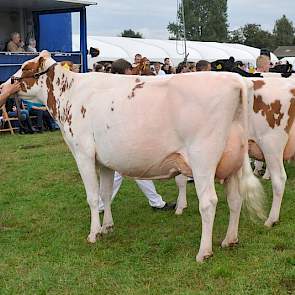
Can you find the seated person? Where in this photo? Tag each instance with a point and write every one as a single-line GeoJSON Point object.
{"type": "Point", "coordinates": [31, 45]}
{"type": "Point", "coordinates": [25, 124]}
{"type": "Point", "coordinates": [15, 44]}
{"type": "Point", "coordinates": [43, 116]}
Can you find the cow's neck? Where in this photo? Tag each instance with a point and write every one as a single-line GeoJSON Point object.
{"type": "Point", "coordinates": [56, 86]}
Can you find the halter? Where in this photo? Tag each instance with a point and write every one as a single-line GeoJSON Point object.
{"type": "Point", "coordinates": [34, 76]}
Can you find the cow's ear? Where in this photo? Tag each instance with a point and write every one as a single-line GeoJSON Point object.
{"type": "Point", "coordinates": [41, 63]}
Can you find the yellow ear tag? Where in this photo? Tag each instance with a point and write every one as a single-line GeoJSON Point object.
{"type": "Point", "coordinates": [219, 67]}
{"type": "Point", "coordinates": [66, 67]}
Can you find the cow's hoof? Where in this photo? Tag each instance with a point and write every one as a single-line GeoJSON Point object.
{"type": "Point", "coordinates": [270, 223]}
{"type": "Point", "coordinates": [179, 211]}
{"type": "Point", "coordinates": [106, 229]}
{"type": "Point", "coordinates": [91, 238]}
{"type": "Point", "coordinates": [266, 177]}
{"type": "Point", "coordinates": [229, 244]}
{"type": "Point", "coordinates": [201, 258]}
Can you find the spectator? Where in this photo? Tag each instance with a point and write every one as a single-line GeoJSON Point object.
{"type": "Point", "coordinates": [121, 66]}
{"type": "Point", "coordinates": [182, 68]}
{"type": "Point", "coordinates": [157, 70]}
{"type": "Point", "coordinates": [203, 66]}
{"type": "Point", "coordinates": [262, 64]}
{"type": "Point", "coordinates": [43, 116]}
{"type": "Point", "coordinates": [137, 59]}
{"type": "Point", "coordinates": [192, 67]}
{"type": "Point", "coordinates": [32, 45]}
{"type": "Point", "coordinates": [76, 68]}
{"type": "Point", "coordinates": [15, 44]}
{"type": "Point", "coordinates": [98, 67]}
{"type": "Point", "coordinates": [108, 67]}
{"type": "Point", "coordinates": [25, 124]}
{"type": "Point", "coordinates": [167, 68]}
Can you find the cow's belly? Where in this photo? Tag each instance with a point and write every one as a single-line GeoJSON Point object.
{"type": "Point", "coordinates": [233, 155]}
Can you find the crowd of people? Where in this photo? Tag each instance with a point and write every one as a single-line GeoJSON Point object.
{"type": "Point", "coordinates": [42, 118]}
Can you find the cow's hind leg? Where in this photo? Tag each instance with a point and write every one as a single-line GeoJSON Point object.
{"type": "Point", "coordinates": [181, 182]}
{"type": "Point", "coordinates": [203, 168]}
{"type": "Point", "coordinates": [87, 169]}
{"type": "Point", "coordinates": [106, 190]}
{"type": "Point", "coordinates": [234, 201]}
{"type": "Point", "coordinates": [278, 179]}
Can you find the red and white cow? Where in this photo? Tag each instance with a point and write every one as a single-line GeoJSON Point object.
{"type": "Point", "coordinates": [151, 128]}
{"type": "Point", "coordinates": [271, 136]}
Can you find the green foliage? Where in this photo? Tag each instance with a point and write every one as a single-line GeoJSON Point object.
{"type": "Point", "coordinates": [205, 20]}
{"type": "Point", "coordinates": [131, 34]}
{"type": "Point", "coordinates": [284, 32]}
{"type": "Point", "coordinates": [257, 37]}
{"type": "Point", "coordinates": [44, 221]}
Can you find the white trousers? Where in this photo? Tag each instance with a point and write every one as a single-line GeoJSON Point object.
{"type": "Point", "coordinates": [146, 186]}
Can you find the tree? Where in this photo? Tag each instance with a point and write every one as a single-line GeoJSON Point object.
{"type": "Point", "coordinates": [283, 32]}
{"type": "Point", "coordinates": [205, 20]}
{"type": "Point", "coordinates": [256, 37]}
{"type": "Point", "coordinates": [131, 34]}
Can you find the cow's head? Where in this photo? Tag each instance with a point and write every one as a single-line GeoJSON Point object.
{"type": "Point", "coordinates": [31, 73]}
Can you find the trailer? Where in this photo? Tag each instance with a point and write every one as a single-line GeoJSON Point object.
{"type": "Point", "coordinates": [50, 23]}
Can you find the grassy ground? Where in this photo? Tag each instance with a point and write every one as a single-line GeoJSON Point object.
{"type": "Point", "coordinates": [44, 221]}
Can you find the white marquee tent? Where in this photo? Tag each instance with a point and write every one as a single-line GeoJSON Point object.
{"type": "Point", "coordinates": [112, 48]}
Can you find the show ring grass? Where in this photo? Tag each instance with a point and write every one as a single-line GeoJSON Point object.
{"type": "Point", "coordinates": [44, 222]}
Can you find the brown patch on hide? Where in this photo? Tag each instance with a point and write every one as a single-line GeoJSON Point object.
{"type": "Point", "coordinates": [272, 112]}
{"type": "Point", "coordinates": [65, 84]}
{"type": "Point", "coordinates": [291, 112]}
{"type": "Point", "coordinates": [66, 116]}
{"type": "Point", "coordinates": [83, 111]}
{"type": "Point", "coordinates": [71, 131]}
{"type": "Point", "coordinates": [258, 84]}
{"type": "Point", "coordinates": [51, 101]}
{"type": "Point", "coordinates": [137, 86]}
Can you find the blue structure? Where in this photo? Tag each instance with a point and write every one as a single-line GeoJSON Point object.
{"type": "Point", "coordinates": [50, 22]}
{"type": "Point", "coordinates": [55, 25]}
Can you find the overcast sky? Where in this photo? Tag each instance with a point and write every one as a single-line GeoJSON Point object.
{"type": "Point", "coordinates": [151, 17]}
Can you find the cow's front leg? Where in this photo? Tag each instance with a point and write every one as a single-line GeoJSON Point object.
{"type": "Point", "coordinates": [106, 190]}
{"type": "Point", "coordinates": [181, 182]}
{"type": "Point", "coordinates": [86, 166]}
{"type": "Point", "coordinates": [234, 201]}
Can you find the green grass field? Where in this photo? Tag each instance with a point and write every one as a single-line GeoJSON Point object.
{"type": "Point", "coordinates": [44, 222]}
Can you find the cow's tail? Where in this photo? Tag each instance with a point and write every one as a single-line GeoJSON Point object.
{"type": "Point", "coordinates": [250, 187]}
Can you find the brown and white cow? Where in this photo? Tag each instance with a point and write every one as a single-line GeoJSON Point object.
{"type": "Point", "coordinates": [271, 135]}
{"type": "Point", "coordinates": [151, 128]}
